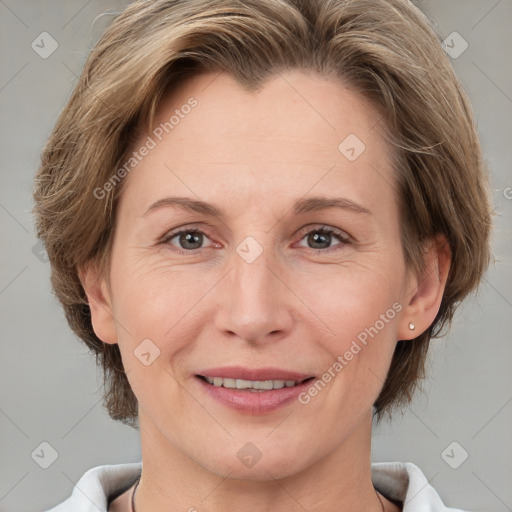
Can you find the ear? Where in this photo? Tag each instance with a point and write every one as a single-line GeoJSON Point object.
{"type": "Point", "coordinates": [100, 303]}
{"type": "Point", "coordinates": [425, 292]}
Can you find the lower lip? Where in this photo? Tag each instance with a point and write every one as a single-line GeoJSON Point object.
{"type": "Point", "coordinates": [254, 402]}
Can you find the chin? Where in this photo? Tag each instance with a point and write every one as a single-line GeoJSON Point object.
{"type": "Point", "coordinates": [252, 464]}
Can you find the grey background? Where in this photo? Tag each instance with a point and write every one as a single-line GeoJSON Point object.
{"type": "Point", "coordinates": [50, 388]}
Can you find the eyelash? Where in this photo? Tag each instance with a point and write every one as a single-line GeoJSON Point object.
{"type": "Point", "coordinates": [325, 230]}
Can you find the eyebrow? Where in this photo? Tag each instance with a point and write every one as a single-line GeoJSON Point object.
{"type": "Point", "coordinates": [305, 205]}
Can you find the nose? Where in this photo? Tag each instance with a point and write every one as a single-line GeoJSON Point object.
{"type": "Point", "coordinates": [255, 303]}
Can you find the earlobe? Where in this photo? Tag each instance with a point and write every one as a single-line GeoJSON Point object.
{"type": "Point", "coordinates": [426, 293]}
{"type": "Point", "coordinates": [100, 303]}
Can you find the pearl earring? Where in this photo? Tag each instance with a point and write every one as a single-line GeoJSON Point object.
{"type": "Point", "coordinates": [412, 326]}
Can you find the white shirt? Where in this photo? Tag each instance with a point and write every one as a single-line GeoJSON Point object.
{"type": "Point", "coordinates": [401, 481]}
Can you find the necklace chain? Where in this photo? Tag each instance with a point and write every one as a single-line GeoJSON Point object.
{"type": "Point", "coordinates": [133, 494]}
{"type": "Point", "coordinates": [378, 496]}
{"type": "Point", "coordinates": [138, 480]}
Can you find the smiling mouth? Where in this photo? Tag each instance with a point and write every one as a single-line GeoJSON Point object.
{"type": "Point", "coordinates": [252, 385]}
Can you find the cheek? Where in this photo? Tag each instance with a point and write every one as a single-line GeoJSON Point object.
{"type": "Point", "coordinates": [351, 300]}
{"type": "Point", "coordinates": [159, 302]}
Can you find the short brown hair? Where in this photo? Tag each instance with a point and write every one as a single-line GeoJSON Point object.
{"type": "Point", "coordinates": [384, 49]}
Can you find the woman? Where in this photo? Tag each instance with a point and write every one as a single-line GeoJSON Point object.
{"type": "Point", "coordinates": [258, 214]}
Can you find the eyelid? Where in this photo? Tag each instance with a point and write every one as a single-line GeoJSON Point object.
{"type": "Point", "coordinates": [169, 235]}
{"type": "Point", "coordinates": [325, 227]}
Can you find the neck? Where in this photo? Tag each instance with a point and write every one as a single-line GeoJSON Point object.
{"type": "Point", "coordinates": [340, 480]}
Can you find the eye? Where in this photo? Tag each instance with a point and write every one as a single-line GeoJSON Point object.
{"type": "Point", "coordinates": [190, 239]}
{"type": "Point", "coordinates": [321, 238]}
{"type": "Point", "coordinates": [187, 239]}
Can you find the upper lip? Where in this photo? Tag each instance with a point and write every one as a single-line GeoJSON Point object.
{"type": "Point", "coordinates": [240, 372]}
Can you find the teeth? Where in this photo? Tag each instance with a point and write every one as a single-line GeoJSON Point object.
{"type": "Point", "coordinates": [261, 385]}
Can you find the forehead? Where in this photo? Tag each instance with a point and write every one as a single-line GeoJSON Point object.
{"type": "Point", "coordinates": [299, 132]}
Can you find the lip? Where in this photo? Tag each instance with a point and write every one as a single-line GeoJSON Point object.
{"type": "Point", "coordinates": [241, 372]}
{"type": "Point", "coordinates": [253, 402]}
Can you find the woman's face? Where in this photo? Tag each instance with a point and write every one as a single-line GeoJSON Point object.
{"type": "Point", "coordinates": [252, 282]}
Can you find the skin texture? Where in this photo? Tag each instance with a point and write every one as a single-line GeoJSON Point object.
{"type": "Point", "coordinates": [298, 306]}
